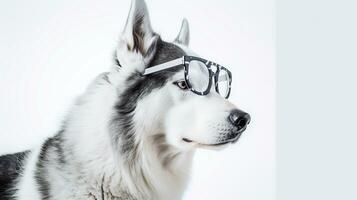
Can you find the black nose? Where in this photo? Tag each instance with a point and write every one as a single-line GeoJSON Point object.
{"type": "Point", "coordinates": [239, 119]}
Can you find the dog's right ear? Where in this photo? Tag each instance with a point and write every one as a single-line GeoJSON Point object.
{"type": "Point", "coordinates": [138, 40]}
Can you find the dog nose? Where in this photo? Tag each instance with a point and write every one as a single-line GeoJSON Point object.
{"type": "Point", "coordinates": [239, 119]}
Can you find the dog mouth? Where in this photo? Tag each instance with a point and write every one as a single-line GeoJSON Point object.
{"type": "Point", "coordinates": [222, 143]}
{"type": "Point", "coordinates": [202, 144]}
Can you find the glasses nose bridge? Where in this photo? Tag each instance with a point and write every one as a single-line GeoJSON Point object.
{"type": "Point", "coordinates": [213, 67]}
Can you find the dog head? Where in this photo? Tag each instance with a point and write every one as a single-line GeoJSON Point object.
{"type": "Point", "coordinates": [161, 103]}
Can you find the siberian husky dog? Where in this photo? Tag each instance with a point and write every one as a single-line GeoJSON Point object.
{"type": "Point", "coordinates": [133, 133]}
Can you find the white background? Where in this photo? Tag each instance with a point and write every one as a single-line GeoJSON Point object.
{"type": "Point", "coordinates": [50, 50]}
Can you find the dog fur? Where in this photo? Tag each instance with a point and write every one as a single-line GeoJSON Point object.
{"type": "Point", "coordinates": [123, 136]}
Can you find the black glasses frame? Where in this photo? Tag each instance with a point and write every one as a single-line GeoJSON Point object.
{"type": "Point", "coordinates": [185, 62]}
{"type": "Point", "coordinates": [212, 74]}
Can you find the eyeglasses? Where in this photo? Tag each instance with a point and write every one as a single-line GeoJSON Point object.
{"type": "Point", "coordinates": [194, 68]}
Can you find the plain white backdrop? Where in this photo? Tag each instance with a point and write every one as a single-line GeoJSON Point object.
{"type": "Point", "coordinates": [50, 50]}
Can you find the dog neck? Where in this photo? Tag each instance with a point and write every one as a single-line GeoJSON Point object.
{"type": "Point", "coordinates": [159, 169]}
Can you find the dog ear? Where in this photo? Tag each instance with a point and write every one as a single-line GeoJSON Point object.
{"type": "Point", "coordinates": [138, 36]}
{"type": "Point", "coordinates": [184, 35]}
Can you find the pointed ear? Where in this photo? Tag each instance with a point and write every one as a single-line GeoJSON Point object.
{"type": "Point", "coordinates": [184, 35]}
{"type": "Point", "coordinates": [138, 36]}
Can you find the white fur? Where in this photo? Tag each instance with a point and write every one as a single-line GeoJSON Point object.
{"type": "Point", "coordinates": [27, 187]}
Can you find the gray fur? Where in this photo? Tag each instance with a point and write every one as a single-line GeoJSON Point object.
{"type": "Point", "coordinates": [11, 166]}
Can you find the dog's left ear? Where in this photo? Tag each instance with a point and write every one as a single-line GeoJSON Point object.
{"type": "Point", "coordinates": [184, 35]}
{"type": "Point", "coordinates": [138, 40]}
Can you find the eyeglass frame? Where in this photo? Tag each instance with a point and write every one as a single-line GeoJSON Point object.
{"type": "Point", "coordinates": [185, 61]}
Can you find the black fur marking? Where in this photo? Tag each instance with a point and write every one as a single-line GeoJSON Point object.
{"type": "Point", "coordinates": [10, 169]}
{"type": "Point", "coordinates": [92, 195]}
{"type": "Point", "coordinates": [115, 59]}
{"type": "Point", "coordinates": [137, 88]}
{"type": "Point", "coordinates": [117, 62]}
{"type": "Point", "coordinates": [102, 188]}
{"type": "Point", "coordinates": [53, 144]}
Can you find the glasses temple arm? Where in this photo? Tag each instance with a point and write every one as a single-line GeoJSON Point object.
{"type": "Point", "coordinates": [163, 66]}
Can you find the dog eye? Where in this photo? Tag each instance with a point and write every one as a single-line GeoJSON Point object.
{"type": "Point", "coordinates": [181, 84]}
